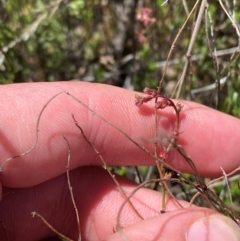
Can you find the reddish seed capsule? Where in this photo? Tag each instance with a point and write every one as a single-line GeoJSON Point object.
{"type": "Point", "coordinates": [163, 154]}
{"type": "Point", "coordinates": [161, 104]}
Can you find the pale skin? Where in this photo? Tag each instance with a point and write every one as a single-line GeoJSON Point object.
{"type": "Point", "coordinates": [37, 181]}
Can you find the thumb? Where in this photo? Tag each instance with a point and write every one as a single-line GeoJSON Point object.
{"type": "Point", "coordinates": [185, 224]}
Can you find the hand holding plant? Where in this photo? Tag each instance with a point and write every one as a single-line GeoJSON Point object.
{"type": "Point", "coordinates": [37, 181]}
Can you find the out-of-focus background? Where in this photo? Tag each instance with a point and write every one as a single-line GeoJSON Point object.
{"type": "Point", "coordinates": [123, 43]}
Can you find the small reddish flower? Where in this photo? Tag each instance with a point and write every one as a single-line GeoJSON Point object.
{"type": "Point", "coordinates": [141, 38]}
{"type": "Point", "coordinates": [175, 133]}
{"type": "Point", "coordinates": [162, 103]}
{"type": "Point", "coordinates": [163, 154]}
{"type": "Point", "coordinates": [144, 16]}
{"type": "Point", "coordinates": [139, 100]}
{"type": "Point", "coordinates": [151, 92]}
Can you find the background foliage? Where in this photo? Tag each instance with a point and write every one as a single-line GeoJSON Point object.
{"type": "Point", "coordinates": [99, 40]}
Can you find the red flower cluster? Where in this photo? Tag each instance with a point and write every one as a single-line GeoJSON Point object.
{"type": "Point", "coordinates": [144, 16]}
{"type": "Point", "coordinates": [161, 104]}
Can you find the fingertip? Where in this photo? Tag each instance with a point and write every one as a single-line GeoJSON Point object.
{"type": "Point", "coordinates": [172, 225]}
{"type": "Point", "coordinates": [214, 227]}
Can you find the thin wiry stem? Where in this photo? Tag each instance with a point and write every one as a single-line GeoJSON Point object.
{"type": "Point", "coordinates": [212, 50]}
{"type": "Point", "coordinates": [227, 184]}
{"type": "Point", "coordinates": [191, 45]}
{"type": "Point", "coordinates": [138, 174]}
{"type": "Point", "coordinates": [146, 183]}
{"type": "Point", "coordinates": [123, 133]}
{"type": "Point", "coordinates": [71, 189]}
{"type": "Point", "coordinates": [37, 133]}
{"type": "Point", "coordinates": [234, 57]}
{"type": "Point", "coordinates": [172, 46]}
{"type": "Point", "coordinates": [160, 166]}
{"type": "Point", "coordinates": [235, 25]}
{"type": "Point", "coordinates": [105, 165]}
{"type": "Point", "coordinates": [50, 226]}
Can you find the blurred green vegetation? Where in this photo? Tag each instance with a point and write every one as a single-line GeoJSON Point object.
{"type": "Point", "coordinates": [64, 40]}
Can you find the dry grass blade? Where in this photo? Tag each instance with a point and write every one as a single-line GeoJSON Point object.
{"type": "Point", "coordinates": [173, 44]}
{"type": "Point", "coordinates": [231, 19]}
{"type": "Point", "coordinates": [235, 55]}
{"type": "Point", "coordinates": [227, 184]}
{"type": "Point", "coordinates": [190, 46]}
{"type": "Point", "coordinates": [227, 175]}
{"type": "Point", "coordinates": [211, 45]}
{"type": "Point", "coordinates": [212, 182]}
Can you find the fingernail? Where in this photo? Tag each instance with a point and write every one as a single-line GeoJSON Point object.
{"type": "Point", "coordinates": [212, 228]}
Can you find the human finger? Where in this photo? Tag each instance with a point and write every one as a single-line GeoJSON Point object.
{"type": "Point", "coordinates": [98, 201]}
{"type": "Point", "coordinates": [209, 137]}
{"type": "Point", "coordinates": [182, 225]}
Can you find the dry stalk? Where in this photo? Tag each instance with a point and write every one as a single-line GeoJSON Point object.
{"type": "Point", "coordinates": [227, 184]}
{"type": "Point", "coordinates": [212, 51]}
{"type": "Point", "coordinates": [190, 46]}
{"type": "Point", "coordinates": [235, 55]}
{"type": "Point", "coordinates": [235, 25]}
{"type": "Point", "coordinates": [173, 44]}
